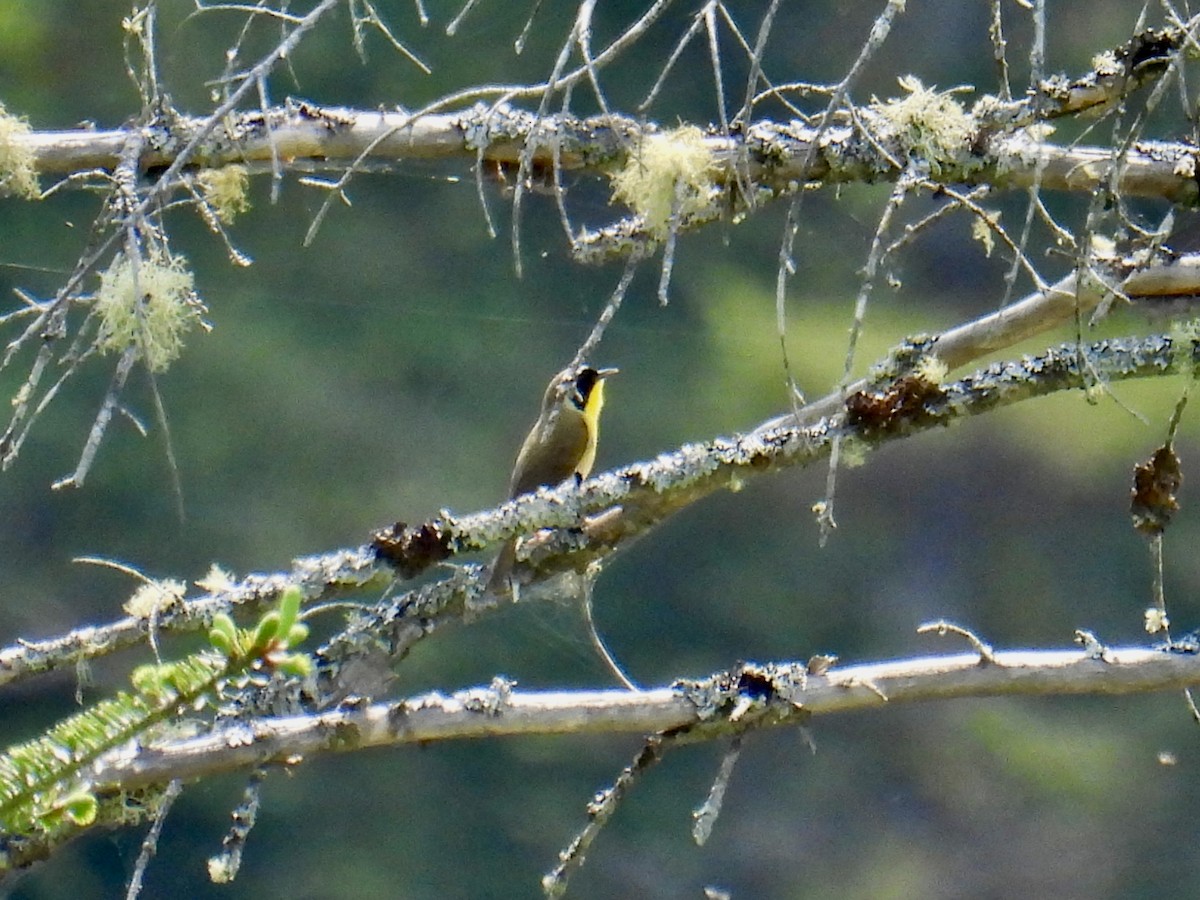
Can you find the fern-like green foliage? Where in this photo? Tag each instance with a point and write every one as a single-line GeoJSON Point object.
{"type": "Point", "coordinates": [41, 788]}
{"type": "Point", "coordinates": [45, 793]}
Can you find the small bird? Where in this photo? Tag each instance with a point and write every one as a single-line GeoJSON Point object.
{"type": "Point", "coordinates": [561, 444]}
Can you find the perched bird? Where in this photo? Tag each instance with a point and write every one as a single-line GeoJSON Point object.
{"type": "Point", "coordinates": [561, 444]}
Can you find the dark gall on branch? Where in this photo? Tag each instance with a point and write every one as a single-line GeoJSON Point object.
{"type": "Point", "coordinates": [1149, 53]}
{"type": "Point", "coordinates": [411, 551]}
{"type": "Point", "coordinates": [1155, 483]}
{"type": "Point", "coordinates": [887, 411]}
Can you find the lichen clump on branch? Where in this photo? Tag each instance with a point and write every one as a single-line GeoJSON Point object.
{"type": "Point", "coordinates": [225, 189]}
{"type": "Point", "coordinates": [668, 173]}
{"type": "Point", "coordinates": [930, 124]}
{"type": "Point", "coordinates": [18, 171]}
{"type": "Point", "coordinates": [150, 306]}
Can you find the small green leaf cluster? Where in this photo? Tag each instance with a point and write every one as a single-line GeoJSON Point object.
{"type": "Point", "coordinates": [269, 641]}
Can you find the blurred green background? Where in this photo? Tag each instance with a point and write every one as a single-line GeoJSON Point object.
{"type": "Point", "coordinates": [391, 370]}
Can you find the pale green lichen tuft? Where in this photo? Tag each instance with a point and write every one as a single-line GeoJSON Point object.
{"type": "Point", "coordinates": [931, 124]}
{"type": "Point", "coordinates": [1184, 336]}
{"type": "Point", "coordinates": [853, 452]}
{"type": "Point", "coordinates": [216, 580]}
{"type": "Point", "coordinates": [149, 306]}
{"type": "Point", "coordinates": [983, 230]}
{"type": "Point", "coordinates": [931, 369]}
{"type": "Point", "coordinates": [18, 169]}
{"type": "Point", "coordinates": [1155, 620]}
{"type": "Point", "coordinates": [668, 171]}
{"type": "Point", "coordinates": [1106, 64]}
{"type": "Point", "coordinates": [154, 596]}
{"type": "Point", "coordinates": [220, 869]}
{"type": "Point", "coordinates": [902, 359]}
{"type": "Point", "coordinates": [1185, 331]}
{"type": "Point", "coordinates": [224, 189]}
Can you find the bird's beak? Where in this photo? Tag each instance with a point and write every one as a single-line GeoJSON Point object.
{"type": "Point", "coordinates": [604, 373]}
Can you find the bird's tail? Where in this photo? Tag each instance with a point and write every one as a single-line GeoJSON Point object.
{"type": "Point", "coordinates": [502, 567]}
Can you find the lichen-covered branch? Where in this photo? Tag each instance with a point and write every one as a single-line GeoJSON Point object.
{"type": "Point", "coordinates": [727, 702]}
{"type": "Point", "coordinates": [646, 493]}
{"type": "Point", "coordinates": [317, 577]}
{"type": "Point", "coordinates": [1034, 314]}
{"type": "Point", "coordinates": [990, 143]}
{"type": "Point", "coordinates": [776, 157]}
